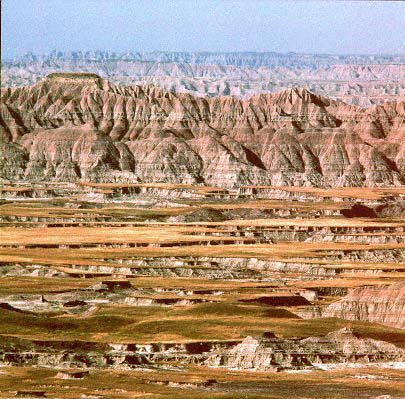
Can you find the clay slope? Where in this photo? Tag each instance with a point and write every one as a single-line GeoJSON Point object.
{"type": "Point", "coordinates": [385, 305]}
{"type": "Point", "coordinates": [79, 126]}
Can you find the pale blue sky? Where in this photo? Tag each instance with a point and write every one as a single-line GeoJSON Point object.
{"type": "Point", "coordinates": [203, 25]}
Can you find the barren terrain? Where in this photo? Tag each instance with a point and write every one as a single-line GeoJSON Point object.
{"type": "Point", "coordinates": [167, 242]}
{"type": "Point", "coordinates": [79, 127]}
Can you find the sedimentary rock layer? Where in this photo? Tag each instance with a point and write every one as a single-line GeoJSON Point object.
{"type": "Point", "coordinates": [273, 353]}
{"type": "Point", "coordinates": [380, 304]}
{"type": "Point", "coordinates": [267, 353]}
{"type": "Point", "coordinates": [78, 126]}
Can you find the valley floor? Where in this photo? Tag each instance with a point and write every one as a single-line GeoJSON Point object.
{"type": "Point", "coordinates": [176, 291]}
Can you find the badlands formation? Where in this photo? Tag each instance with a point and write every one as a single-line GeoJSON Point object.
{"type": "Point", "coordinates": [356, 79]}
{"type": "Point", "coordinates": [161, 244]}
{"type": "Point", "coordinates": [71, 127]}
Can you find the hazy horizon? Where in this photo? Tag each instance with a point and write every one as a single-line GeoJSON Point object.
{"type": "Point", "coordinates": [309, 27]}
{"type": "Point", "coordinates": [45, 53]}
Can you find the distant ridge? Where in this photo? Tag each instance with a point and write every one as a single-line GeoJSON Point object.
{"type": "Point", "coordinates": [248, 58]}
{"type": "Point", "coordinates": [355, 79]}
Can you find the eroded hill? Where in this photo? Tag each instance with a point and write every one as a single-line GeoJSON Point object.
{"type": "Point", "coordinates": [71, 127]}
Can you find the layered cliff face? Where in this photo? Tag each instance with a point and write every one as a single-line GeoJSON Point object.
{"type": "Point", "coordinates": [79, 126]}
{"type": "Point", "coordinates": [340, 346]}
{"type": "Point", "coordinates": [263, 354]}
{"type": "Point", "coordinates": [378, 304]}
